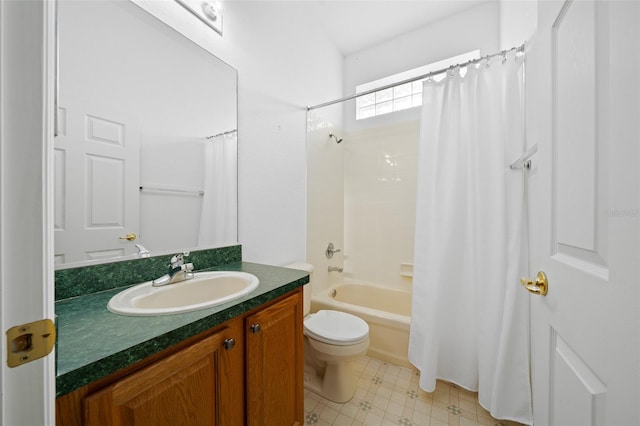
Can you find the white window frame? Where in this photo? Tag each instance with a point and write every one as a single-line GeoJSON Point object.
{"type": "Point", "coordinates": [404, 96]}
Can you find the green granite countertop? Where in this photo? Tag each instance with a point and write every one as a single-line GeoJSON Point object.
{"type": "Point", "coordinates": [93, 342]}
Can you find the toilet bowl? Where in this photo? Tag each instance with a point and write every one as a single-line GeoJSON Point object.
{"type": "Point", "coordinates": [333, 341]}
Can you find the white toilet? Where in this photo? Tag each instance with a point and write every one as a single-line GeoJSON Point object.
{"type": "Point", "coordinates": [333, 340]}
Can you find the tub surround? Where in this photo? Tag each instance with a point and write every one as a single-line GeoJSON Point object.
{"type": "Point", "coordinates": [94, 343]}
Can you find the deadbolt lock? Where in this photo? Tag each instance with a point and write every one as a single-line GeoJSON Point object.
{"type": "Point", "coordinates": [29, 342]}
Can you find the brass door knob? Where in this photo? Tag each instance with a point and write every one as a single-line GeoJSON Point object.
{"type": "Point", "coordinates": [128, 237]}
{"type": "Point", "coordinates": [540, 286]}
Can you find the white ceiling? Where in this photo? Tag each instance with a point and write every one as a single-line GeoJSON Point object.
{"type": "Point", "coordinates": [354, 25]}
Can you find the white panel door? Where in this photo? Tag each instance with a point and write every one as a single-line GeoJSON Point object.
{"type": "Point", "coordinates": [582, 112]}
{"type": "Point", "coordinates": [97, 182]}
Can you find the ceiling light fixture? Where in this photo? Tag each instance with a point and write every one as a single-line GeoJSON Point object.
{"type": "Point", "coordinates": [209, 12]}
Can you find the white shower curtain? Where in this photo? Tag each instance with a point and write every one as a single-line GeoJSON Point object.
{"type": "Point", "coordinates": [470, 321]}
{"type": "Point", "coordinates": [218, 217]}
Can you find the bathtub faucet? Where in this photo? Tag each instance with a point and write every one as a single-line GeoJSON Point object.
{"type": "Point", "coordinates": [335, 269]}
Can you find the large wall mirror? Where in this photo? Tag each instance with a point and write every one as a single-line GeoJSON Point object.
{"type": "Point", "coordinates": [146, 145]}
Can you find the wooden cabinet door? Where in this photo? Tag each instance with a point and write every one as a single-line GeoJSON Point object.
{"type": "Point", "coordinates": [275, 363]}
{"type": "Point", "coordinates": [183, 389]}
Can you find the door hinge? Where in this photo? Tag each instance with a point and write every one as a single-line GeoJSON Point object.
{"type": "Point", "coordinates": [28, 342]}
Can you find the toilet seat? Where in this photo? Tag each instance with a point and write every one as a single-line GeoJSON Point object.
{"type": "Point", "coordinates": [336, 328]}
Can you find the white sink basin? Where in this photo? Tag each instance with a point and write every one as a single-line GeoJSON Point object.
{"type": "Point", "coordinates": [204, 290]}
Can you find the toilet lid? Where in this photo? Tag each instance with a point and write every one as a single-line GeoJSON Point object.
{"type": "Point", "coordinates": [336, 328]}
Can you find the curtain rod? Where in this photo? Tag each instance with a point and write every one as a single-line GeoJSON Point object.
{"type": "Point", "coordinates": [172, 190]}
{"type": "Point", "coordinates": [420, 77]}
{"type": "Point", "coordinates": [228, 132]}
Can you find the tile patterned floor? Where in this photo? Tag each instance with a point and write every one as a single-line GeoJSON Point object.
{"type": "Point", "coordinates": [389, 395]}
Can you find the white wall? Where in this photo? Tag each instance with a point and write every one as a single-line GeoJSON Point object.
{"type": "Point", "coordinates": [518, 22]}
{"type": "Point", "coordinates": [282, 67]}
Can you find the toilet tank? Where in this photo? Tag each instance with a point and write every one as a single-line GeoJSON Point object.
{"type": "Point", "coordinates": [306, 290]}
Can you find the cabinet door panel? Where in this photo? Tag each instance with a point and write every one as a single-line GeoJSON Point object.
{"type": "Point", "coordinates": [275, 364]}
{"type": "Point", "coordinates": [179, 399]}
{"type": "Point", "coordinates": [181, 389]}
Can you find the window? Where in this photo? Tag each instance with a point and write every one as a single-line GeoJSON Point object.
{"type": "Point", "coordinates": [404, 96]}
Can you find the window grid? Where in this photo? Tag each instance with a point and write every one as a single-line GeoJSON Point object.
{"type": "Point", "coordinates": [397, 98]}
{"type": "Point", "coordinates": [404, 96]}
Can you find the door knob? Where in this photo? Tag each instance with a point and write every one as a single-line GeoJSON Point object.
{"type": "Point", "coordinates": [540, 286]}
{"type": "Point", "coordinates": [255, 328]}
{"type": "Point", "coordinates": [128, 237]}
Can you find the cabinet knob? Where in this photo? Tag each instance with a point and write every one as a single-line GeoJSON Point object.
{"type": "Point", "coordinates": [255, 328]}
{"type": "Point", "coordinates": [229, 344]}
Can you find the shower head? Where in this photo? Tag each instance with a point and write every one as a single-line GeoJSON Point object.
{"type": "Point", "coordinates": [331, 135]}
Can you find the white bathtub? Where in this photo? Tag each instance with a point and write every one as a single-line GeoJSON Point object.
{"type": "Point", "coordinates": [386, 310]}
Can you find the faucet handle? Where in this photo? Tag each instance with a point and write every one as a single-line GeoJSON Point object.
{"type": "Point", "coordinates": [331, 250]}
{"type": "Point", "coordinates": [178, 259]}
{"type": "Point", "coordinates": [142, 251]}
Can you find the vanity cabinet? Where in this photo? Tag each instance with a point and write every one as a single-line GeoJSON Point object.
{"type": "Point", "coordinates": [248, 370]}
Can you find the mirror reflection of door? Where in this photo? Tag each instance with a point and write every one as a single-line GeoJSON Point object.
{"type": "Point", "coordinates": [96, 200]}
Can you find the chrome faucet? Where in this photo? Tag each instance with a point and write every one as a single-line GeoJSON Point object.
{"type": "Point", "coordinates": [178, 271]}
{"type": "Point", "coordinates": [335, 269]}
